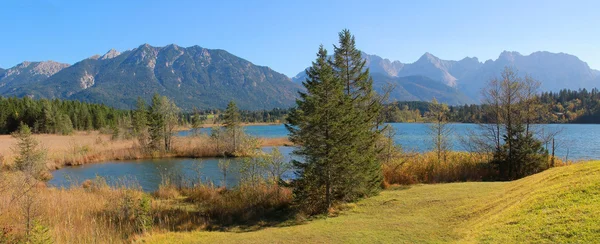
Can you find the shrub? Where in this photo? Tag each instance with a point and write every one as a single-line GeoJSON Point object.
{"type": "Point", "coordinates": [132, 212]}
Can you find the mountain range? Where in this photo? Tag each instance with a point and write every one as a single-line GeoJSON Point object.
{"type": "Point", "coordinates": [555, 71]}
{"type": "Point", "coordinates": [210, 78]}
{"type": "Point", "coordinates": [192, 77]}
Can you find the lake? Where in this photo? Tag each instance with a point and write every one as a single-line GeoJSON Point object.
{"type": "Point", "coordinates": [575, 141]}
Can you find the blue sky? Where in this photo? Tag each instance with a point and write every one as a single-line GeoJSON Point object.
{"type": "Point", "coordinates": [285, 34]}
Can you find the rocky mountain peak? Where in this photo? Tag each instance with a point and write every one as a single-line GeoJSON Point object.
{"type": "Point", "coordinates": [48, 68]}
{"type": "Point", "coordinates": [112, 53]}
{"type": "Point", "coordinates": [509, 55]}
{"type": "Point", "coordinates": [45, 68]}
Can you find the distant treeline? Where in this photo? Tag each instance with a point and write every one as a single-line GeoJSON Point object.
{"type": "Point", "coordinates": [565, 106]}
{"type": "Point", "coordinates": [63, 116]}
{"type": "Point", "coordinates": [55, 116]}
{"type": "Point", "coordinates": [276, 115]}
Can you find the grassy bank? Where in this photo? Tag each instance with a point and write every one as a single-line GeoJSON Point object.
{"type": "Point", "coordinates": [91, 147]}
{"type": "Point", "coordinates": [559, 205]}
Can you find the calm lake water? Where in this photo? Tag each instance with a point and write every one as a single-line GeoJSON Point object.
{"type": "Point", "coordinates": [575, 141]}
{"type": "Point", "coordinates": [148, 173]}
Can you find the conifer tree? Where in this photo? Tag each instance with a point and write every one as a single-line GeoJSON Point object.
{"type": "Point", "coordinates": [231, 122]}
{"type": "Point", "coordinates": [140, 122]}
{"type": "Point", "coordinates": [361, 121]}
{"type": "Point", "coordinates": [336, 124]}
{"type": "Point", "coordinates": [316, 126]}
{"type": "Point", "coordinates": [156, 122]}
{"type": "Point", "coordinates": [163, 118]}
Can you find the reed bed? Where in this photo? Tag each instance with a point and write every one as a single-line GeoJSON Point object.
{"type": "Point", "coordinates": [92, 147]}
{"type": "Point", "coordinates": [425, 168]}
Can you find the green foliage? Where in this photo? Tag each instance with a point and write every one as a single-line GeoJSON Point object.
{"type": "Point", "coordinates": [231, 140]}
{"type": "Point", "coordinates": [231, 122]}
{"type": "Point", "coordinates": [40, 234]}
{"type": "Point", "coordinates": [55, 116]}
{"type": "Point", "coordinates": [520, 155]}
{"type": "Point", "coordinates": [30, 157]}
{"type": "Point", "coordinates": [362, 107]}
{"type": "Point", "coordinates": [252, 172]}
{"type": "Point", "coordinates": [565, 106]}
{"type": "Point", "coordinates": [336, 126]}
{"type": "Point", "coordinates": [133, 210]}
{"type": "Point", "coordinates": [162, 120]}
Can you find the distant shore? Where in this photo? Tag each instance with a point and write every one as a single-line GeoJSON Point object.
{"type": "Point", "coordinates": [185, 128]}
{"type": "Point", "coordinates": [93, 147]}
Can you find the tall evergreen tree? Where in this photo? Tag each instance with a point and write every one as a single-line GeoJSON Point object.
{"type": "Point", "coordinates": [162, 120]}
{"type": "Point", "coordinates": [363, 107]}
{"type": "Point", "coordinates": [336, 125]}
{"type": "Point", "coordinates": [156, 122]}
{"type": "Point", "coordinates": [231, 122]}
{"type": "Point", "coordinates": [316, 125]}
{"type": "Point", "coordinates": [140, 122]}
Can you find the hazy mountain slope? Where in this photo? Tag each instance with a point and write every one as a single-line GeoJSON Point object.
{"type": "Point", "coordinates": [419, 88]}
{"type": "Point", "coordinates": [555, 71]}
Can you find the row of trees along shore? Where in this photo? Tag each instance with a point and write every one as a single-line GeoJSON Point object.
{"type": "Point", "coordinates": [565, 106]}
{"type": "Point", "coordinates": [64, 116]}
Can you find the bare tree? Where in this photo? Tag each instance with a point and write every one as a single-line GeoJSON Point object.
{"type": "Point", "coordinates": [512, 106]}
{"type": "Point", "coordinates": [439, 129]}
{"type": "Point", "coordinates": [224, 168]}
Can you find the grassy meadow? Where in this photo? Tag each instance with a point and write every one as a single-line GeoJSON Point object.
{"type": "Point", "coordinates": [560, 205]}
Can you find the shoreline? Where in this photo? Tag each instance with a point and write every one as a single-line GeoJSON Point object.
{"type": "Point", "coordinates": [183, 128]}
{"type": "Point", "coordinates": [92, 147]}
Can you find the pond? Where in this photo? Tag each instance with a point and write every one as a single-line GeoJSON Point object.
{"type": "Point", "coordinates": [148, 173]}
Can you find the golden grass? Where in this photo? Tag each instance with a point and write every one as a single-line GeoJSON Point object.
{"type": "Point", "coordinates": [274, 142]}
{"type": "Point", "coordinates": [415, 168]}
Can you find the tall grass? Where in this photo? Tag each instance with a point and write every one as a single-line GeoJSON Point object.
{"type": "Point", "coordinates": [243, 205]}
{"type": "Point", "coordinates": [414, 168]}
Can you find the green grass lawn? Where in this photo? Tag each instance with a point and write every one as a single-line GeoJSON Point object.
{"type": "Point", "coordinates": [558, 205]}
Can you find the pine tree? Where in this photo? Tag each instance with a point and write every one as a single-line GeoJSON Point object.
{"type": "Point", "coordinates": [231, 122]}
{"type": "Point", "coordinates": [140, 122]}
{"type": "Point", "coordinates": [363, 107]}
{"type": "Point", "coordinates": [162, 120]}
{"type": "Point", "coordinates": [316, 126]}
{"type": "Point", "coordinates": [156, 123]}
{"type": "Point", "coordinates": [197, 121]}
{"type": "Point", "coordinates": [30, 157]}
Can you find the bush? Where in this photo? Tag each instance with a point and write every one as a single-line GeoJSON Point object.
{"type": "Point", "coordinates": [132, 212]}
